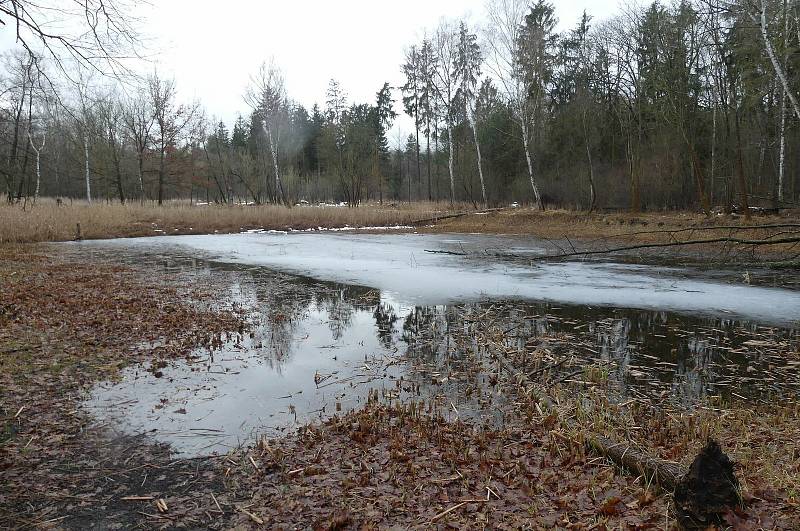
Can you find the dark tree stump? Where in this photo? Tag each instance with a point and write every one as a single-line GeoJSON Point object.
{"type": "Point", "coordinates": [702, 496]}
{"type": "Point", "coordinates": [708, 491]}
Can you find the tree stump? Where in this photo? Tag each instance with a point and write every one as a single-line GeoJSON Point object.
{"type": "Point", "coordinates": [702, 495]}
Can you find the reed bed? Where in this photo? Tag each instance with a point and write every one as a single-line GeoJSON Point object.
{"type": "Point", "coordinates": [49, 221]}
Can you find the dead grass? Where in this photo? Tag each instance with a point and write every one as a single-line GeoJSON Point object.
{"type": "Point", "coordinates": [48, 221]}
{"type": "Point", "coordinates": [627, 227]}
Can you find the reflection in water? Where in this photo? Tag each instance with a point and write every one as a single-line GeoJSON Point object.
{"type": "Point", "coordinates": [319, 347]}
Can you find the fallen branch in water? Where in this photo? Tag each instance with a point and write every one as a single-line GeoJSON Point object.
{"type": "Point", "coordinates": [455, 253]}
{"type": "Point", "coordinates": [704, 229]}
{"type": "Point", "coordinates": [456, 215]}
{"type": "Point", "coordinates": [735, 241]}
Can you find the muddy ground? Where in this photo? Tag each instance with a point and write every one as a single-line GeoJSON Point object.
{"type": "Point", "coordinates": [66, 324]}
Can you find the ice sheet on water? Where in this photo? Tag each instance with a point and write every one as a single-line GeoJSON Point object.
{"type": "Point", "coordinates": [399, 265]}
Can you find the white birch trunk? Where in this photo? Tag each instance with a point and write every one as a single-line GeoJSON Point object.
{"type": "Point", "coordinates": [525, 144]}
{"type": "Point", "coordinates": [775, 64]}
{"type": "Point", "coordinates": [38, 152]}
{"type": "Point", "coordinates": [86, 159]}
{"type": "Point", "coordinates": [274, 151]}
{"type": "Point", "coordinates": [478, 152]}
{"type": "Point", "coordinates": [450, 164]}
{"type": "Point", "coordinates": [782, 159]}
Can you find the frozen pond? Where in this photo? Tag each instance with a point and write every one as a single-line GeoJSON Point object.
{"type": "Point", "coordinates": [339, 318]}
{"type": "Point", "coordinates": [401, 267]}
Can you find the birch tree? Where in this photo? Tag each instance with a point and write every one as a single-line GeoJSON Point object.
{"type": "Point", "coordinates": [445, 86]}
{"type": "Point", "coordinates": [468, 71]}
{"type": "Point", "coordinates": [761, 20]}
{"type": "Point", "coordinates": [38, 149]}
{"type": "Point", "coordinates": [267, 97]}
{"type": "Point", "coordinates": [86, 104]}
{"type": "Point", "coordinates": [517, 53]}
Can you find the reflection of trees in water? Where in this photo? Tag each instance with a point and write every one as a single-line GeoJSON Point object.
{"type": "Point", "coordinates": [651, 351]}
{"type": "Point", "coordinates": [339, 309]}
{"type": "Point", "coordinates": [426, 331]}
{"type": "Point", "coordinates": [685, 354]}
{"type": "Point", "coordinates": [385, 319]}
{"type": "Point", "coordinates": [282, 303]}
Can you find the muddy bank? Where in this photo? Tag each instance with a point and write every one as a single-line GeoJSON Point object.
{"type": "Point", "coordinates": [64, 325]}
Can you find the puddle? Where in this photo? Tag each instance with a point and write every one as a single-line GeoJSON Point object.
{"type": "Point", "coordinates": [321, 346]}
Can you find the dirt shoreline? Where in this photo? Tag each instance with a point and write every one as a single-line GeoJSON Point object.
{"type": "Point", "coordinates": [67, 323]}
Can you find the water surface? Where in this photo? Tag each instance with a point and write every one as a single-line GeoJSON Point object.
{"type": "Point", "coordinates": [338, 319]}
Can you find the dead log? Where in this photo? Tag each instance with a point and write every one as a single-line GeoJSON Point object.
{"type": "Point", "coordinates": [666, 474]}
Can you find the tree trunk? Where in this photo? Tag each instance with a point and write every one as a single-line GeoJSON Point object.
{"type": "Point", "coordinates": [161, 174]}
{"type": "Point", "coordinates": [665, 474]}
{"type": "Point", "coordinates": [782, 156]}
{"type": "Point", "coordinates": [274, 151]}
{"type": "Point", "coordinates": [592, 192]}
{"type": "Point", "coordinates": [140, 163]}
{"type": "Point", "coordinates": [38, 152]}
{"type": "Point", "coordinates": [536, 197]}
{"type": "Point", "coordinates": [428, 148]}
{"type": "Point", "coordinates": [775, 64]}
{"type": "Point", "coordinates": [480, 163]}
{"type": "Point", "coordinates": [86, 161]}
{"type": "Point", "coordinates": [697, 170]}
{"type": "Point", "coordinates": [450, 164]}
{"type": "Point", "coordinates": [117, 167]}
{"type": "Point", "coordinates": [419, 167]}
{"type": "Point", "coordinates": [740, 168]}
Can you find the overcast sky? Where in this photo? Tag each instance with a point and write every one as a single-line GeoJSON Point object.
{"type": "Point", "coordinates": [212, 48]}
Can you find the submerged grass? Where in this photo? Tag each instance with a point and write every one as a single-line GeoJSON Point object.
{"type": "Point", "coordinates": [763, 439]}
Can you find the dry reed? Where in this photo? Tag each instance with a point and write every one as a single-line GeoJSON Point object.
{"type": "Point", "coordinates": [48, 221]}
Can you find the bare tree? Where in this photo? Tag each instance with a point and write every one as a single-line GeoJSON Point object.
{"type": "Point", "coordinates": [170, 121]}
{"type": "Point", "coordinates": [96, 34]}
{"type": "Point", "coordinates": [267, 97]}
{"type": "Point", "coordinates": [506, 20]}
{"type": "Point", "coordinates": [111, 115]}
{"type": "Point", "coordinates": [446, 84]}
{"type": "Point", "coordinates": [20, 92]}
{"type": "Point", "coordinates": [138, 119]}
{"type": "Point", "coordinates": [83, 86]}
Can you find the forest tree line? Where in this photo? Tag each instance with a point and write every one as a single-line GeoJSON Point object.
{"type": "Point", "coordinates": [686, 105]}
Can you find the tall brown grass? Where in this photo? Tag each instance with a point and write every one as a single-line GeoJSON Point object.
{"type": "Point", "coordinates": [49, 221]}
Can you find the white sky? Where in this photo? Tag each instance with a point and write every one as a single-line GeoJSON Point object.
{"type": "Point", "coordinates": [211, 48]}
